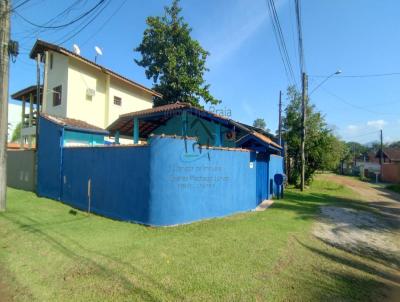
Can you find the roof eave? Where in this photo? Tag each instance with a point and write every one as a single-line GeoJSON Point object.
{"type": "Point", "coordinates": [40, 46]}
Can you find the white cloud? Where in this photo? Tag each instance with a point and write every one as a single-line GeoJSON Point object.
{"type": "Point", "coordinates": [378, 124]}
{"type": "Point", "coordinates": [353, 128]}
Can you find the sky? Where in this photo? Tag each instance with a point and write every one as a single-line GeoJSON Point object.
{"type": "Point", "coordinates": [358, 37]}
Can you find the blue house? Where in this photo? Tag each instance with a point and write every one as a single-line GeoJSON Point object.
{"type": "Point", "coordinates": [185, 164]}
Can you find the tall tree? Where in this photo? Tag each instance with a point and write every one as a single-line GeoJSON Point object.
{"type": "Point", "coordinates": [261, 124]}
{"type": "Point", "coordinates": [16, 135]}
{"type": "Point", "coordinates": [174, 60]}
{"type": "Point", "coordinates": [321, 146]}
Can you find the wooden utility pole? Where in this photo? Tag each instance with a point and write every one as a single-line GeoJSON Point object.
{"type": "Point", "coordinates": [304, 85]}
{"type": "Point", "coordinates": [4, 72]}
{"type": "Point", "coordinates": [280, 119]}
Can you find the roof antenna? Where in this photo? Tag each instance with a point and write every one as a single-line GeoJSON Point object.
{"type": "Point", "coordinates": [76, 49]}
{"type": "Point", "coordinates": [98, 53]}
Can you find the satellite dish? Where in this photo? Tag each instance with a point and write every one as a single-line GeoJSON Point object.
{"type": "Point", "coordinates": [76, 49]}
{"type": "Point", "coordinates": [98, 50]}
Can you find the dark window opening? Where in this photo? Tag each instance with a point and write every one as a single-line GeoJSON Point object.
{"type": "Point", "coordinates": [57, 93]}
{"type": "Point", "coordinates": [51, 61]}
{"type": "Point", "coordinates": [117, 101]}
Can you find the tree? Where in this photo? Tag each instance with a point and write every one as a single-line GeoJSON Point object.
{"type": "Point", "coordinates": [173, 60]}
{"type": "Point", "coordinates": [261, 124]}
{"type": "Point", "coordinates": [395, 145]}
{"type": "Point", "coordinates": [16, 135]}
{"type": "Point", "coordinates": [322, 148]}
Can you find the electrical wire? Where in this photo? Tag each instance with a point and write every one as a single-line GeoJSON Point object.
{"type": "Point", "coordinates": [300, 36]}
{"type": "Point", "coordinates": [65, 24]}
{"type": "Point", "coordinates": [105, 23]}
{"type": "Point", "coordinates": [343, 100]}
{"type": "Point", "coordinates": [277, 30]}
{"type": "Point", "coordinates": [373, 75]}
{"type": "Point", "coordinates": [84, 26]}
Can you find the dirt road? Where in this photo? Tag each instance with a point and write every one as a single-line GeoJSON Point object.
{"type": "Point", "coordinates": [369, 227]}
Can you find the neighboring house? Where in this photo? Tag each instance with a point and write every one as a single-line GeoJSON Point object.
{"type": "Point", "coordinates": [390, 155]}
{"type": "Point", "coordinates": [390, 164]}
{"type": "Point", "coordinates": [75, 87]}
{"type": "Point", "coordinates": [369, 163]}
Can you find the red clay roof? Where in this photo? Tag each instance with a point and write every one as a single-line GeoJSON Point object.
{"type": "Point", "coordinates": [73, 123]}
{"type": "Point", "coordinates": [392, 153]}
{"type": "Point", "coordinates": [16, 146]}
{"type": "Point", "coordinates": [40, 46]}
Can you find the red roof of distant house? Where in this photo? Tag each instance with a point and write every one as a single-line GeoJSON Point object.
{"type": "Point", "coordinates": [392, 153]}
{"type": "Point", "coordinates": [17, 146]}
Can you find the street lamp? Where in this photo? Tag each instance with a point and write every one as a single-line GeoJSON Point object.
{"type": "Point", "coordinates": [326, 79]}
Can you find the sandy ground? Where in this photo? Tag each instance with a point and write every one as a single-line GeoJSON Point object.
{"type": "Point", "coordinates": [374, 234]}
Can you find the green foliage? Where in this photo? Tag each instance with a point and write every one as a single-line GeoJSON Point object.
{"type": "Point", "coordinates": [261, 124]}
{"type": "Point", "coordinates": [323, 150]}
{"type": "Point", "coordinates": [16, 135]}
{"type": "Point", "coordinates": [395, 145]}
{"type": "Point", "coordinates": [173, 60]}
{"type": "Point", "coordinates": [394, 188]}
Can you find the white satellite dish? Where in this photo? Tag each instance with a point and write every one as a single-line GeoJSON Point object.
{"type": "Point", "coordinates": [76, 49]}
{"type": "Point", "coordinates": [98, 52]}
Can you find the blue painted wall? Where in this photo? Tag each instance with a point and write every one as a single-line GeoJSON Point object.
{"type": "Point", "coordinates": [49, 159]}
{"type": "Point", "coordinates": [119, 181]}
{"type": "Point", "coordinates": [262, 177]}
{"type": "Point", "coordinates": [275, 166]}
{"type": "Point", "coordinates": [170, 181]}
{"type": "Point", "coordinates": [84, 138]}
{"type": "Point", "coordinates": [198, 184]}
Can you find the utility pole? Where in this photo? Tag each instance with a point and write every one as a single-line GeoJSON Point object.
{"type": "Point", "coordinates": [4, 73]}
{"type": "Point", "coordinates": [280, 119]}
{"type": "Point", "coordinates": [381, 157]}
{"type": "Point", "coordinates": [304, 86]}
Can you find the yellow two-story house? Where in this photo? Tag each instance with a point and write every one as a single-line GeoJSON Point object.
{"type": "Point", "coordinates": [77, 88]}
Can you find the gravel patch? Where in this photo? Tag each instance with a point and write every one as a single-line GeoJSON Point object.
{"type": "Point", "coordinates": [357, 231]}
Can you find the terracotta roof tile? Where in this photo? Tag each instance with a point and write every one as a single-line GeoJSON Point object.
{"type": "Point", "coordinates": [73, 123]}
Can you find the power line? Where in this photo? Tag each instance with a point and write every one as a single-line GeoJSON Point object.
{"type": "Point", "coordinates": [86, 25]}
{"type": "Point", "coordinates": [300, 36]}
{"type": "Point", "coordinates": [373, 75]}
{"type": "Point", "coordinates": [343, 100]}
{"type": "Point", "coordinates": [62, 25]}
{"type": "Point", "coordinates": [277, 29]}
{"type": "Point", "coordinates": [105, 23]}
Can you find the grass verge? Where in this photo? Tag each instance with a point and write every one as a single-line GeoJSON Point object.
{"type": "Point", "coordinates": [394, 188]}
{"type": "Point", "coordinates": [49, 254]}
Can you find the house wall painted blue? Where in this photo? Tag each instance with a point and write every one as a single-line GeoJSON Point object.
{"type": "Point", "coordinates": [169, 181]}
{"type": "Point", "coordinates": [189, 183]}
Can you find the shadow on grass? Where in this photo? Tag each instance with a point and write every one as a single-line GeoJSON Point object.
{"type": "Point", "coordinates": [349, 280]}
{"type": "Point", "coordinates": [355, 264]}
{"type": "Point", "coordinates": [307, 206]}
{"type": "Point", "coordinates": [33, 226]}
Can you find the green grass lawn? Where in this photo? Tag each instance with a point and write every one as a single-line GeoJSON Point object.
{"type": "Point", "coordinates": [48, 254]}
{"type": "Point", "coordinates": [395, 188]}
